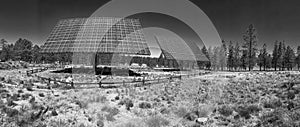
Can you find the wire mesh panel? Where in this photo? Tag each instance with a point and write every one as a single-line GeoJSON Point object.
{"type": "Point", "coordinates": [97, 34]}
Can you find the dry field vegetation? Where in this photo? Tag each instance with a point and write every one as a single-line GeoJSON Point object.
{"type": "Point", "coordinates": [237, 99]}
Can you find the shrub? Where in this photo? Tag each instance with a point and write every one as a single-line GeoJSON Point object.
{"type": "Point", "coordinates": [20, 91]}
{"type": "Point", "coordinates": [203, 111]}
{"type": "Point", "coordinates": [127, 102]}
{"type": "Point", "coordinates": [41, 95]}
{"type": "Point", "coordinates": [243, 112]}
{"type": "Point", "coordinates": [59, 123]}
{"type": "Point", "coordinates": [113, 111]}
{"type": "Point", "coordinates": [145, 105]}
{"type": "Point", "coordinates": [15, 97]}
{"type": "Point", "coordinates": [25, 96]}
{"type": "Point", "coordinates": [110, 117]}
{"type": "Point", "coordinates": [81, 104]}
{"type": "Point", "coordinates": [54, 113]}
{"type": "Point", "coordinates": [253, 109]}
{"type": "Point", "coordinates": [101, 99]}
{"type": "Point", "coordinates": [272, 103]}
{"type": "Point", "coordinates": [100, 123]}
{"type": "Point", "coordinates": [225, 111]}
{"type": "Point", "coordinates": [157, 121]}
{"type": "Point", "coordinates": [10, 102]}
{"type": "Point", "coordinates": [10, 112]}
{"type": "Point", "coordinates": [117, 98]}
{"type": "Point", "coordinates": [165, 111]}
{"type": "Point", "coordinates": [181, 112]}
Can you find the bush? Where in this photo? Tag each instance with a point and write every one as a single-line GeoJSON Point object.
{"type": "Point", "coordinates": [113, 111]}
{"type": "Point", "coordinates": [145, 105]}
{"type": "Point", "coordinates": [244, 111]}
{"type": "Point", "coordinates": [272, 103]}
{"type": "Point", "coordinates": [101, 99]}
{"type": "Point", "coordinates": [181, 112]}
{"type": "Point", "coordinates": [157, 121]}
{"type": "Point", "coordinates": [100, 123]}
{"type": "Point", "coordinates": [127, 102]}
{"type": "Point", "coordinates": [110, 117]}
{"type": "Point", "coordinates": [81, 104]}
{"type": "Point", "coordinates": [253, 109]}
{"type": "Point", "coordinates": [41, 95]}
{"type": "Point", "coordinates": [165, 111]}
{"type": "Point", "coordinates": [225, 111]}
{"type": "Point", "coordinates": [10, 112]}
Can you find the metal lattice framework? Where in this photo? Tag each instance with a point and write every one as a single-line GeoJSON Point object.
{"type": "Point", "coordinates": [97, 35]}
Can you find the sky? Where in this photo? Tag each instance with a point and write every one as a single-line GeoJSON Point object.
{"type": "Point", "coordinates": [273, 19]}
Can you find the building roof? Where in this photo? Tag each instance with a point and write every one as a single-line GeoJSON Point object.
{"type": "Point", "coordinates": [97, 34]}
{"type": "Point", "coordinates": [173, 48]}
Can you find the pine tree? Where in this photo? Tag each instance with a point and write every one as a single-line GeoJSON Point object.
{"type": "Point", "coordinates": [281, 52]}
{"type": "Point", "coordinates": [265, 55]}
{"type": "Point", "coordinates": [230, 59]}
{"type": "Point", "coordinates": [250, 39]}
{"type": "Point", "coordinates": [269, 62]}
{"type": "Point", "coordinates": [297, 60]}
{"type": "Point", "coordinates": [262, 57]}
{"type": "Point", "coordinates": [211, 54]}
{"type": "Point", "coordinates": [289, 58]}
{"type": "Point", "coordinates": [4, 51]}
{"type": "Point", "coordinates": [244, 59]}
{"type": "Point", "coordinates": [206, 53]}
{"type": "Point", "coordinates": [237, 57]}
{"type": "Point", "coordinates": [275, 55]}
{"type": "Point", "coordinates": [223, 55]}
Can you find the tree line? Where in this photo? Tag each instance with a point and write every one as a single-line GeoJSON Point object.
{"type": "Point", "coordinates": [228, 56]}
{"type": "Point", "coordinates": [245, 56]}
{"type": "Point", "coordinates": [24, 50]}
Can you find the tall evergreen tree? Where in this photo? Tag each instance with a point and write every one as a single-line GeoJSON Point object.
{"type": "Point", "coordinates": [281, 52]}
{"type": "Point", "coordinates": [262, 57]}
{"type": "Point", "coordinates": [230, 58]}
{"type": "Point", "coordinates": [288, 58]}
{"type": "Point", "coordinates": [206, 53]}
{"type": "Point", "coordinates": [4, 51]}
{"type": "Point", "coordinates": [223, 55]}
{"type": "Point", "coordinates": [210, 56]}
{"type": "Point", "coordinates": [237, 57]}
{"type": "Point", "coordinates": [269, 62]}
{"type": "Point", "coordinates": [22, 49]}
{"type": "Point", "coordinates": [275, 55]}
{"type": "Point", "coordinates": [36, 56]}
{"type": "Point", "coordinates": [250, 39]}
{"type": "Point", "coordinates": [297, 61]}
{"type": "Point", "coordinates": [244, 59]}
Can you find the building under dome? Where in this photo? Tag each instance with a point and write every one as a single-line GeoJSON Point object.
{"type": "Point", "coordinates": [177, 54]}
{"type": "Point", "coordinates": [90, 39]}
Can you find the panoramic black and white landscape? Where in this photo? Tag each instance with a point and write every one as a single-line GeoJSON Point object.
{"type": "Point", "coordinates": [149, 63]}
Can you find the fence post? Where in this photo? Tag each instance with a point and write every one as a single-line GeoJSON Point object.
{"type": "Point", "coordinates": [72, 84]}
{"type": "Point", "coordinates": [143, 80]}
{"type": "Point", "coordinates": [100, 84]}
{"type": "Point", "coordinates": [49, 80]}
{"type": "Point", "coordinates": [124, 83]}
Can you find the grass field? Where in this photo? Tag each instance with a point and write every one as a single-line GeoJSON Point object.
{"type": "Point", "coordinates": [235, 99]}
